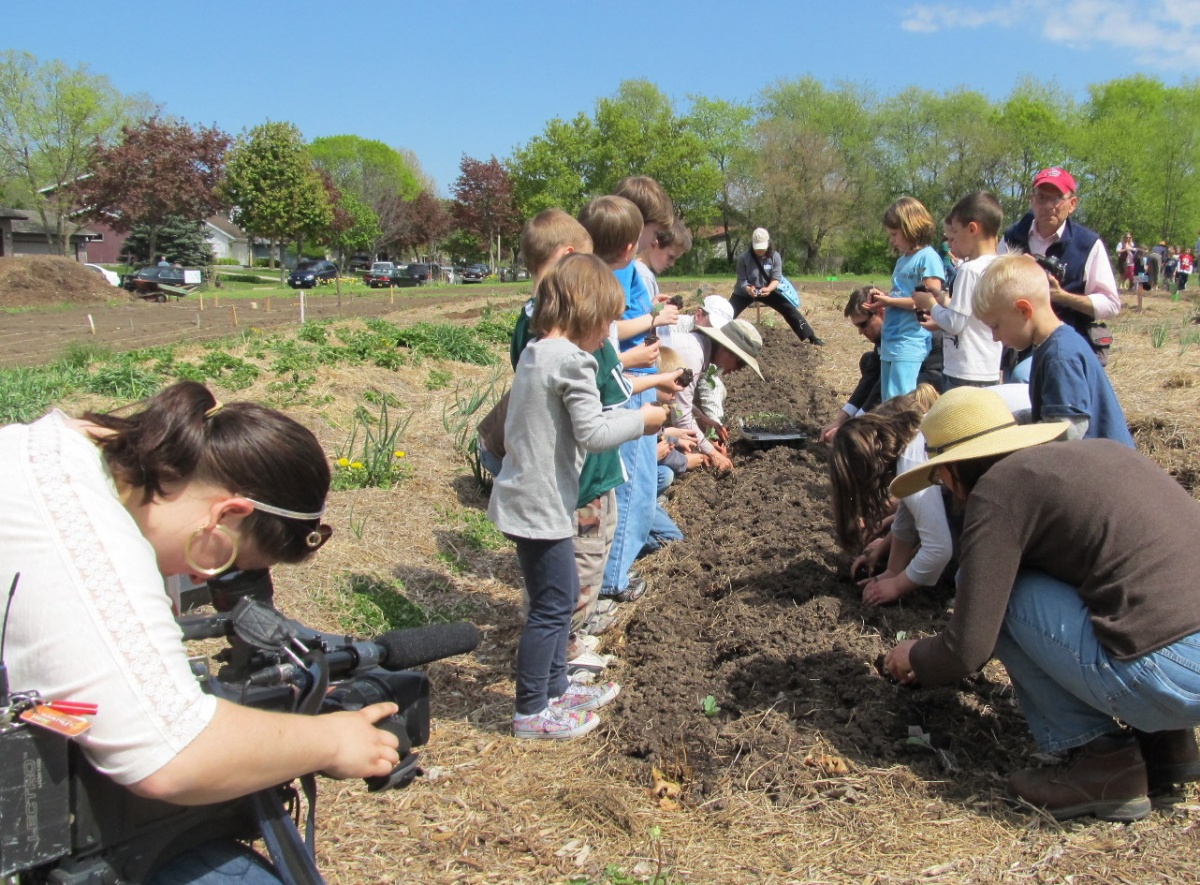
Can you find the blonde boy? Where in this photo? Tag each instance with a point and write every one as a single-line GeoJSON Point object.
{"type": "Point", "coordinates": [1066, 381]}
{"type": "Point", "coordinates": [971, 357]}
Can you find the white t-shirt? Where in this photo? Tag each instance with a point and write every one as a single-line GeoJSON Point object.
{"type": "Point", "coordinates": [922, 518]}
{"type": "Point", "coordinates": [968, 351]}
{"type": "Point", "coordinates": [91, 620]}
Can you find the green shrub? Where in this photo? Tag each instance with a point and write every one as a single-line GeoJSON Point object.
{"type": "Point", "coordinates": [228, 262]}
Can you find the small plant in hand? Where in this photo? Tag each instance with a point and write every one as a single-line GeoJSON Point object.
{"type": "Point", "coordinates": [685, 377]}
{"type": "Point", "coordinates": [769, 422]}
{"type": "Point", "coordinates": [677, 300]}
{"type": "Point", "coordinates": [650, 338]}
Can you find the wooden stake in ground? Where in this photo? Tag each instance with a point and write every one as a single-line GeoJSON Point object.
{"type": "Point", "coordinates": [302, 307]}
{"type": "Point", "coordinates": [234, 309]}
{"type": "Point", "coordinates": [92, 323]}
{"type": "Point", "coordinates": [201, 302]}
{"type": "Point", "coordinates": [268, 309]}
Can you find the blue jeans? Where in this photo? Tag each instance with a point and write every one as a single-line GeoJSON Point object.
{"type": "Point", "coordinates": [897, 377]}
{"type": "Point", "coordinates": [216, 863]}
{"type": "Point", "coordinates": [1070, 688]}
{"type": "Point", "coordinates": [490, 462]}
{"type": "Point", "coordinates": [662, 531]}
{"type": "Point", "coordinates": [666, 476]}
{"type": "Point", "coordinates": [635, 503]}
{"type": "Point", "coordinates": [552, 582]}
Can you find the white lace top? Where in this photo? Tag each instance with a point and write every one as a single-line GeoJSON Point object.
{"type": "Point", "coordinates": [91, 620]}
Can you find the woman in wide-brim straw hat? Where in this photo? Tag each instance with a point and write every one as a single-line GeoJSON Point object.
{"type": "Point", "coordinates": [1078, 570]}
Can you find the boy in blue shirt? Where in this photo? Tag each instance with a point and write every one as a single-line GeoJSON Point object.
{"type": "Point", "coordinates": [1066, 381]}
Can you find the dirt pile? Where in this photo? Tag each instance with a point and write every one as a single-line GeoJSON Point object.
{"type": "Point", "coordinates": [37, 280]}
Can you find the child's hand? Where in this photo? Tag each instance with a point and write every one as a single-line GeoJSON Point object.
{"type": "Point", "coordinates": [664, 449]}
{"type": "Point", "coordinates": [641, 356]}
{"type": "Point", "coordinates": [695, 460]}
{"type": "Point", "coordinates": [668, 316]}
{"type": "Point", "coordinates": [720, 462]}
{"type": "Point", "coordinates": [923, 298]}
{"type": "Point", "coordinates": [653, 417]}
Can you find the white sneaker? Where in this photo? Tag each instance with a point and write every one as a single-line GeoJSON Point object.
{"type": "Point", "coordinates": [555, 724]}
{"type": "Point", "coordinates": [589, 661]}
{"type": "Point", "coordinates": [586, 697]}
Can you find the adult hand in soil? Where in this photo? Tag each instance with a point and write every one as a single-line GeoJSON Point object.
{"type": "Point", "coordinates": [897, 663]}
{"type": "Point", "coordinates": [868, 560]}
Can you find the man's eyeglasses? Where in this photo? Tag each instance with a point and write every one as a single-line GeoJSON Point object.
{"type": "Point", "coordinates": [1048, 199]}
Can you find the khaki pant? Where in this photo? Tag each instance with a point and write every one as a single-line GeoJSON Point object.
{"type": "Point", "coordinates": [595, 526]}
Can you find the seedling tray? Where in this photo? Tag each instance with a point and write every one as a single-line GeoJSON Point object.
{"type": "Point", "coordinates": [759, 436]}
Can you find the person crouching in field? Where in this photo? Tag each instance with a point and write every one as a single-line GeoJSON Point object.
{"type": "Point", "coordinates": [554, 417]}
{"type": "Point", "coordinates": [1090, 602]}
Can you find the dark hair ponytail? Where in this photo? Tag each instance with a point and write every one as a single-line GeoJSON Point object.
{"type": "Point", "coordinates": [862, 465]}
{"type": "Point", "coordinates": [183, 434]}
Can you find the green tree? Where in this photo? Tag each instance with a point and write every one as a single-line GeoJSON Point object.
{"type": "Point", "coordinates": [1033, 124]}
{"type": "Point", "coordinates": [722, 128]}
{"type": "Point", "coordinates": [182, 240]}
{"type": "Point", "coordinates": [553, 170]}
{"type": "Point", "coordinates": [276, 192]}
{"type": "Point", "coordinates": [52, 117]}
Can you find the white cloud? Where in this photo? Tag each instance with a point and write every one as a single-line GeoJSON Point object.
{"type": "Point", "coordinates": [1162, 34]}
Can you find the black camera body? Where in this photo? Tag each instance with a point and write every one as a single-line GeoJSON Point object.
{"type": "Point", "coordinates": [63, 822]}
{"type": "Point", "coordinates": [1052, 266]}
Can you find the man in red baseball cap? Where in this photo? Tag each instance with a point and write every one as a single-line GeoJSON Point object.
{"type": "Point", "coordinates": [1087, 291]}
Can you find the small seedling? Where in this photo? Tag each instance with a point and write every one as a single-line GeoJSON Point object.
{"type": "Point", "coordinates": [710, 707]}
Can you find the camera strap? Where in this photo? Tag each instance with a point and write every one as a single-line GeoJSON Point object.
{"type": "Point", "coordinates": [291, 855]}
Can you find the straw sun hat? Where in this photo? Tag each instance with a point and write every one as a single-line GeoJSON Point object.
{"type": "Point", "coordinates": [740, 338]}
{"type": "Point", "coordinates": [966, 423]}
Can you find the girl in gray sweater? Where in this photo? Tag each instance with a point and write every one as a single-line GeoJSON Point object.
{"type": "Point", "coordinates": [554, 418]}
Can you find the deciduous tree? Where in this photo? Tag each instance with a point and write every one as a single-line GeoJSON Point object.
{"type": "Point", "coordinates": [483, 202]}
{"type": "Point", "coordinates": [51, 119]}
{"type": "Point", "coordinates": [158, 171]}
{"type": "Point", "coordinates": [273, 186]}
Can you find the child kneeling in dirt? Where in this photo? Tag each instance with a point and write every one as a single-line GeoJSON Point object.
{"type": "Point", "coordinates": [868, 453]}
{"type": "Point", "coordinates": [554, 416]}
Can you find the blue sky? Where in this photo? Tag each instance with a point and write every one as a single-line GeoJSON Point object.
{"type": "Point", "coordinates": [480, 77]}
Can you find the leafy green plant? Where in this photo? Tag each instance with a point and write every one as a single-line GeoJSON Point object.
{"type": "Point", "coordinates": [376, 605]}
{"type": "Point", "coordinates": [372, 457]}
{"type": "Point", "coordinates": [314, 332]}
{"type": "Point", "coordinates": [471, 403]}
{"type": "Point", "coordinates": [438, 379]}
{"type": "Point", "coordinates": [710, 707]}
{"type": "Point", "coordinates": [1187, 337]}
{"type": "Point", "coordinates": [123, 380]}
{"type": "Point", "coordinates": [446, 341]}
{"type": "Point", "coordinates": [27, 393]}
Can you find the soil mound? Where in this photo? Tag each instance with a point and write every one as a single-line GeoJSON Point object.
{"type": "Point", "coordinates": [36, 280]}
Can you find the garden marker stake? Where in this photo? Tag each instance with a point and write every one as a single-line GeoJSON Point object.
{"type": "Point", "coordinates": [201, 302]}
{"type": "Point", "coordinates": [302, 308]}
{"type": "Point", "coordinates": [92, 323]}
{"type": "Point", "coordinates": [234, 309]}
{"type": "Point", "coordinates": [268, 310]}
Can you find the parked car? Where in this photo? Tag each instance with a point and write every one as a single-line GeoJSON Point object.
{"type": "Point", "coordinates": [113, 278]}
{"type": "Point", "coordinates": [309, 273]}
{"type": "Point", "coordinates": [474, 273]}
{"type": "Point", "coordinates": [382, 273]}
{"type": "Point", "coordinates": [145, 281]}
{"type": "Point", "coordinates": [413, 275]}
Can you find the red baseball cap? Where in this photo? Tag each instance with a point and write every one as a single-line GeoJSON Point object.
{"type": "Point", "coordinates": [1059, 178]}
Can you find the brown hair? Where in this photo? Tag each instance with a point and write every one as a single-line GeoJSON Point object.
{"type": "Point", "coordinates": [909, 216]}
{"type": "Point", "coordinates": [857, 302]}
{"type": "Point", "coordinates": [578, 296]}
{"type": "Point", "coordinates": [546, 233]}
{"type": "Point", "coordinates": [862, 465]}
{"type": "Point", "coordinates": [981, 207]}
{"type": "Point", "coordinates": [614, 223]}
{"type": "Point", "coordinates": [675, 234]}
{"type": "Point", "coordinates": [650, 198]}
{"type": "Point", "coordinates": [243, 447]}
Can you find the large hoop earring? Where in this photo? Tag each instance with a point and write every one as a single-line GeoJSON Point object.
{"type": "Point", "coordinates": [210, 572]}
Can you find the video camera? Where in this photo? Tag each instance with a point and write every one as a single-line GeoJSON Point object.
{"type": "Point", "coordinates": [63, 822]}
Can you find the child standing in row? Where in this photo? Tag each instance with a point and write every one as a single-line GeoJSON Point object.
{"type": "Point", "coordinates": [554, 416]}
{"type": "Point", "coordinates": [905, 343]}
{"type": "Point", "coordinates": [971, 358]}
{"type": "Point", "coordinates": [1066, 380]}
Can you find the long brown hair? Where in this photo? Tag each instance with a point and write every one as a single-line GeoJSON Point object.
{"type": "Point", "coordinates": [180, 435]}
{"type": "Point", "coordinates": [861, 467]}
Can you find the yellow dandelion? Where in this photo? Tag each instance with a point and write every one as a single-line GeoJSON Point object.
{"type": "Point", "coordinates": [343, 462]}
{"type": "Point", "coordinates": [398, 453]}
{"type": "Point", "coordinates": [357, 465]}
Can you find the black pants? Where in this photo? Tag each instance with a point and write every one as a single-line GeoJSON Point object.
{"type": "Point", "coordinates": [782, 306]}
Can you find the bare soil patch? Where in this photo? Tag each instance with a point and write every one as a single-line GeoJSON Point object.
{"type": "Point", "coordinates": [41, 280]}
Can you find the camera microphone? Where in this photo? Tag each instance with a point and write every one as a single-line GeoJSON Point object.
{"type": "Point", "coordinates": [422, 645]}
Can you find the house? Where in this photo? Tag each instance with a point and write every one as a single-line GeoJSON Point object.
{"type": "Point", "coordinates": [22, 233]}
{"type": "Point", "coordinates": [227, 240]}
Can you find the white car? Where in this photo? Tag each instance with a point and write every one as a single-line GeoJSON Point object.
{"type": "Point", "coordinates": [114, 278]}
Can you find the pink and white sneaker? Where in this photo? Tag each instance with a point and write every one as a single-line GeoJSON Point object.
{"type": "Point", "coordinates": [554, 724]}
{"type": "Point", "coordinates": [586, 697]}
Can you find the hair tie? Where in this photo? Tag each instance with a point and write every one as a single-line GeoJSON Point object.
{"type": "Point", "coordinates": [217, 406]}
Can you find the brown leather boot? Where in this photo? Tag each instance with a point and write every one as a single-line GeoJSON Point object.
{"type": "Point", "coordinates": [1172, 757]}
{"type": "Point", "coordinates": [1106, 778]}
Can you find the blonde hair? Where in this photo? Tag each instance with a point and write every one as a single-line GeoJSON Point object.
{"type": "Point", "coordinates": [668, 360]}
{"type": "Point", "coordinates": [909, 216]}
{"type": "Point", "coordinates": [919, 400]}
{"type": "Point", "coordinates": [614, 224]}
{"type": "Point", "coordinates": [1008, 278]}
{"type": "Point", "coordinates": [577, 297]}
{"type": "Point", "coordinates": [650, 198]}
{"type": "Point", "coordinates": [546, 233]}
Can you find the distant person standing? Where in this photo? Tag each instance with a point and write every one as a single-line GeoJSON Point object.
{"type": "Point", "coordinates": [1184, 271]}
{"type": "Point", "coordinates": [162, 261]}
{"type": "Point", "coordinates": [1088, 291]}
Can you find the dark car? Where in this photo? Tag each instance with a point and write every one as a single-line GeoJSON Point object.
{"type": "Point", "coordinates": [382, 273]}
{"type": "Point", "coordinates": [413, 275]}
{"type": "Point", "coordinates": [474, 273]}
{"type": "Point", "coordinates": [309, 273]}
{"type": "Point", "coordinates": [145, 282]}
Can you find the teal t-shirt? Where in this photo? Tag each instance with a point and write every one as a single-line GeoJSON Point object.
{"type": "Point", "coordinates": [902, 337]}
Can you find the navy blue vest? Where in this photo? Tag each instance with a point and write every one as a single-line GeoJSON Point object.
{"type": "Point", "coordinates": [1072, 250]}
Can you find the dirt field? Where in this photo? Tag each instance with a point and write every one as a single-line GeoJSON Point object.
{"type": "Point", "coordinates": [800, 769]}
